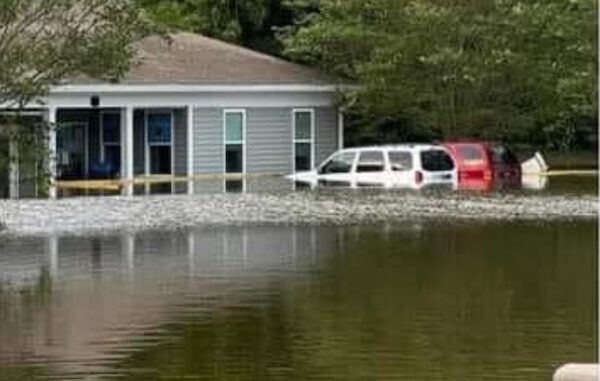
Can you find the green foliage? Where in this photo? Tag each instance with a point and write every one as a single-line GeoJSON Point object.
{"type": "Point", "coordinates": [499, 69]}
{"type": "Point", "coordinates": [44, 42]}
{"type": "Point", "coordinates": [251, 23]}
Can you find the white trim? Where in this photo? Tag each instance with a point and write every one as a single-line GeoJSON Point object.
{"type": "Point", "coordinates": [52, 151]}
{"type": "Point", "coordinates": [242, 142]}
{"type": "Point", "coordinates": [146, 149]}
{"type": "Point", "coordinates": [176, 88]}
{"type": "Point", "coordinates": [128, 146]}
{"type": "Point", "coordinates": [190, 141]}
{"type": "Point", "coordinates": [312, 139]}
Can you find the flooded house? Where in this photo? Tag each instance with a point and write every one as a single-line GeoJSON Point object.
{"type": "Point", "coordinates": [189, 106]}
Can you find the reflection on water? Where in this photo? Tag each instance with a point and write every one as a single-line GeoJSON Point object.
{"type": "Point", "coordinates": [407, 302]}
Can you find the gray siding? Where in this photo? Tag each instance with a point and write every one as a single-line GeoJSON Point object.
{"type": "Point", "coordinates": [180, 143]}
{"type": "Point", "coordinates": [269, 140]}
{"type": "Point", "coordinates": [326, 133]}
{"type": "Point", "coordinates": [208, 140]}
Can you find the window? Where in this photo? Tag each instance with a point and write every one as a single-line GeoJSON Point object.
{"type": "Point", "coordinates": [234, 141]}
{"type": "Point", "coordinates": [111, 141]}
{"type": "Point", "coordinates": [436, 161]}
{"type": "Point", "coordinates": [370, 161]}
{"type": "Point", "coordinates": [400, 161]}
{"type": "Point", "coordinates": [340, 163]}
{"type": "Point", "coordinates": [303, 139]}
{"type": "Point", "coordinates": [111, 128]}
{"type": "Point", "coordinates": [159, 128]}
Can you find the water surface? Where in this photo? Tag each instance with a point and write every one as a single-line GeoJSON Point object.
{"type": "Point", "coordinates": [398, 301]}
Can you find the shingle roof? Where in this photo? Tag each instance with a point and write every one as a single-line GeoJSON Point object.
{"type": "Point", "coordinates": [187, 58]}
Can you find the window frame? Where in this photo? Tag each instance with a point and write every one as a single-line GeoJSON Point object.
{"type": "Point", "coordinates": [148, 145]}
{"type": "Point", "coordinates": [104, 144]}
{"type": "Point", "coordinates": [310, 141]}
{"type": "Point", "coordinates": [237, 142]}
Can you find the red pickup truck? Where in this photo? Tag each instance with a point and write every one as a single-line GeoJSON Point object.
{"type": "Point", "coordinates": [483, 165]}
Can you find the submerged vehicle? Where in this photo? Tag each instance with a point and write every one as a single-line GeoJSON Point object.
{"type": "Point", "coordinates": [407, 166]}
{"type": "Point", "coordinates": [483, 166]}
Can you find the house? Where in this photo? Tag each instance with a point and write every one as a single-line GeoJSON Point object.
{"type": "Point", "coordinates": [192, 105]}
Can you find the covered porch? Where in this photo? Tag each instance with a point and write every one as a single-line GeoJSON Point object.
{"type": "Point", "coordinates": [110, 149]}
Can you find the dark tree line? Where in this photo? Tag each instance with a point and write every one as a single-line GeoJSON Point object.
{"type": "Point", "coordinates": [516, 70]}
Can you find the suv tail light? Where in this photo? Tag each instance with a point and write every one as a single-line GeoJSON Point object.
{"type": "Point", "coordinates": [418, 177]}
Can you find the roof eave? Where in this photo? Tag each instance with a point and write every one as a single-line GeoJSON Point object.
{"type": "Point", "coordinates": [196, 88]}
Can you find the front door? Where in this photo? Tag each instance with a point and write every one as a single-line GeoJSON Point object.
{"type": "Point", "coordinates": [72, 152]}
{"type": "Point", "coordinates": [159, 143]}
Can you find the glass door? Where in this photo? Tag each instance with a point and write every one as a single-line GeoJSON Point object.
{"type": "Point", "coordinates": [159, 143]}
{"type": "Point", "coordinates": [72, 150]}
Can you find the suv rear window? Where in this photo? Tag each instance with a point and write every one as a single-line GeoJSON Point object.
{"type": "Point", "coordinates": [470, 153]}
{"type": "Point", "coordinates": [370, 161]}
{"type": "Point", "coordinates": [436, 161]}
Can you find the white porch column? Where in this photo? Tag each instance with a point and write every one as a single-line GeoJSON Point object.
{"type": "Point", "coordinates": [340, 129]}
{"type": "Point", "coordinates": [127, 150]}
{"type": "Point", "coordinates": [52, 151]}
{"type": "Point", "coordinates": [190, 148]}
{"type": "Point", "coordinates": [13, 175]}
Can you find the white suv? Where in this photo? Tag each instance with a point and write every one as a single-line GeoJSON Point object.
{"type": "Point", "coordinates": [407, 166]}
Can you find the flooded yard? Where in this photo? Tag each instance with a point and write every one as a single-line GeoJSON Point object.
{"type": "Point", "coordinates": [393, 301]}
{"type": "Point", "coordinates": [504, 295]}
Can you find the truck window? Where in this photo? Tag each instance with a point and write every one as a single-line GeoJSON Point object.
{"type": "Point", "coordinates": [370, 161]}
{"type": "Point", "coordinates": [436, 161]}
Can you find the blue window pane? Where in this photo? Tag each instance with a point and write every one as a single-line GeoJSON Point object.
{"type": "Point", "coordinates": [111, 128]}
{"type": "Point", "coordinates": [159, 128]}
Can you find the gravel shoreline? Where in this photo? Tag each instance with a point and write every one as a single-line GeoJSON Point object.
{"type": "Point", "coordinates": [107, 214]}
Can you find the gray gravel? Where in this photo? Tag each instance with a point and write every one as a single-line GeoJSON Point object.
{"type": "Point", "coordinates": [86, 215]}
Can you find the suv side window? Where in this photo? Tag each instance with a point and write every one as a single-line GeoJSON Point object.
{"type": "Point", "coordinates": [340, 163]}
{"type": "Point", "coordinates": [436, 160]}
{"type": "Point", "coordinates": [400, 160]}
{"type": "Point", "coordinates": [370, 161]}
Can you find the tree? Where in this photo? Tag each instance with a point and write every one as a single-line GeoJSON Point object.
{"type": "Point", "coordinates": [45, 42]}
{"type": "Point", "coordinates": [251, 23]}
{"type": "Point", "coordinates": [490, 68]}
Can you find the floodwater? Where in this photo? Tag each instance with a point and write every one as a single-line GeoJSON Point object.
{"type": "Point", "coordinates": [428, 301]}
